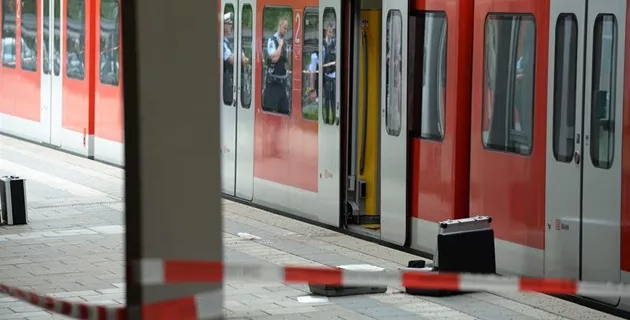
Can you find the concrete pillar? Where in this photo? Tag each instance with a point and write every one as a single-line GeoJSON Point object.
{"type": "Point", "coordinates": [171, 81]}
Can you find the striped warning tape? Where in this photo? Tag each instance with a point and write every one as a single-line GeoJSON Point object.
{"type": "Point", "coordinates": [206, 305]}
{"type": "Point", "coordinates": [157, 272]}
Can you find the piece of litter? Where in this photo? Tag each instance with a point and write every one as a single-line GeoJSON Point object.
{"type": "Point", "coordinates": [311, 299]}
{"type": "Point", "coordinates": [248, 236]}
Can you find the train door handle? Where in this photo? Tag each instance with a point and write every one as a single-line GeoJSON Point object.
{"type": "Point", "coordinates": [577, 157]}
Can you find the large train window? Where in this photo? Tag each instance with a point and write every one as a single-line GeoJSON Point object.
{"type": "Point", "coordinates": [8, 33]}
{"type": "Point", "coordinates": [228, 55]}
{"type": "Point", "coordinates": [604, 91]}
{"type": "Point", "coordinates": [247, 42]}
{"type": "Point", "coordinates": [329, 63]}
{"type": "Point", "coordinates": [310, 65]}
{"type": "Point", "coordinates": [28, 41]}
{"type": "Point", "coordinates": [277, 59]}
{"type": "Point", "coordinates": [428, 53]}
{"type": "Point", "coordinates": [75, 30]}
{"type": "Point", "coordinates": [508, 91]}
{"type": "Point", "coordinates": [564, 88]}
{"type": "Point", "coordinates": [109, 58]}
{"type": "Point", "coordinates": [393, 73]}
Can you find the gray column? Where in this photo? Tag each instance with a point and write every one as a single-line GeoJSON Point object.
{"type": "Point", "coordinates": [171, 76]}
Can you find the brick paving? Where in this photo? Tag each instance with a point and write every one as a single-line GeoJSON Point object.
{"type": "Point", "coordinates": [73, 249]}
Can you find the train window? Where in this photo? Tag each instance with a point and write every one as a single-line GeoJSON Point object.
{"type": "Point", "coordinates": [228, 55]}
{"type": "Point", "coordinates": [429, 89]}
{"type": "Point", "coordinates": [393, 73]}
{"type": "Point", "coordinates": [28, 35]}
{"type": "Point", "coordinates": [564, 88]}
{"type": "Point", "coordinates": [247, 42]}
{"type": "Point", "coordinates": [277, 59]}
{"type": "Point", "coordinates": [109, 60]}
{"type": "Point", "coordinates": [603, 92]}
{"type": "Point", "coordinates": [329, 64]}
{"type": "Point", "coordinates": [57, 38]}
{"type": "Point", "coordinates": [8, 33]}
{"type": "Point", "coordinates": [310, 51]}
{"type": "Point", "coordinates": [46, 44]}
{"type": "Point", "coordinates": [75, 28]}
{"type": "Point", "coordinates": [508, 93]}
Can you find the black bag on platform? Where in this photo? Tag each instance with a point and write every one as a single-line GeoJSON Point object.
{"type": "Point", "coordinates": [13, 200]}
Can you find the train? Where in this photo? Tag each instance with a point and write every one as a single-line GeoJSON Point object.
{"type": "Point", "coordinates": [390, 116]}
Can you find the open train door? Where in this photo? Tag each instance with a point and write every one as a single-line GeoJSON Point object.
{"type": "Point", "coordinates": [237, 114]}
{"type": "Point", "coordinates": [52, 68]}
{"type": "Point", "coordinates": [393, 144]}
{"type": "Point", "coordinates": [329, 111]}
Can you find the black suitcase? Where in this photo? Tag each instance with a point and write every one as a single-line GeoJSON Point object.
{"type": "Point", "coordinates": [13, 200]}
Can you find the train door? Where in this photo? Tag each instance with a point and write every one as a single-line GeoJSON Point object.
{"type": "Point", "coordinates": [237, 114]}
{"type": "Point", "coordinates": [584, 139]}
{"type": "Point", "coordinates": [329, 115]}
{"type": "Point", "coordinates": [51, 81]}
{"type": "Point", "coordinates": [393, 132]}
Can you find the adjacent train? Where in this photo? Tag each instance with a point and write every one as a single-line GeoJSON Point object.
{"type": "Point", "coordinates": [382, 117]}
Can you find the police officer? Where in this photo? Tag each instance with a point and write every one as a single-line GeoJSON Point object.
{"type": "Point", "coordinates": [228, 60]}
{"type": "Point", "coordinates": [330, 58]}
{"type": "Point", "coordinates": [275, 96]}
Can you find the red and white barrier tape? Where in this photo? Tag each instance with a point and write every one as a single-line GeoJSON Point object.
{"type": "Point", "coordinates": [200, 306]}
{"type": "Point", "coordinates": [158, 272]}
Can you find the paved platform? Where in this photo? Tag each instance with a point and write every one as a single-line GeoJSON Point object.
{"type": "Point", "coordinates": [73, 249]}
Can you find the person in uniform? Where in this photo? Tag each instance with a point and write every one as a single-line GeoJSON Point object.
{"type": "Point", "coordinates": [275, 96]}
{"type": "Point", "coordinates": [228, 60]}
{"type": "Point", "coordinates": [330, 57]}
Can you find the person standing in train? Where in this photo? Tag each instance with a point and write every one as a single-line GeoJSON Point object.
{"type": "Point", "coordinates": [228, 60]}
{"type": "Point", "coordinates": [330, 57]}
{"type": "Point", "coordinates": [275, 96]}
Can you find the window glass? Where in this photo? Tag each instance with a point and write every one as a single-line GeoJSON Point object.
{"type": "Point", "coordinates": [564, 88]}
{"type": "Point", "coordinates": [109, 60]}
{"type": "Point", "coordinates": [603, 92]}
{"type": "Point", "coordinates": [508, 92]}
{"type": "Point", "coordinates": [329, 66]}
{"type": "Point", "coordinates": [28, 28]}
{"type": "Point", "coordinates": [8, 33]}
{"type": "Point", "coordinates": [247, 41]}
{"type": "Point", "coordinates": [75, 23]}
{"type": "Point", "coordinates": [393, 73]}
{"type": "Point", "coordinates": [229, 55]}
{"type": "Point", "coordinates": [277, 59]}
{"type": "Point", "coordinates": [46, 43]}
{"type": "Point", "coordinates": [57, 38]}
{"type": "Point", "coordinates": [310, 64]}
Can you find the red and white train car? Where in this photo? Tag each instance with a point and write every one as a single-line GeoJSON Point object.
{"type": "Point", "coordinates": [434, 110]}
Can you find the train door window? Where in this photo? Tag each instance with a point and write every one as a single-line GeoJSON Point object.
{"type": "Point", "coordinates": [28, 41]}
{"type": "Point", "coordinates": [310, 65]}
{"type": "Point", "coordinates": [8, 33]}
{"type": "Point", "coordinates": [110, 43]}
{"type": "Point", "coordinates": [57, 38]}
{"type": "Point", "coordinates": [393, 73]}
{"type": "Point", "coordinates": [429, 85]}
{"type": "Point", "coordinates": [565, 81]}
{"type": "Point", "coordinates": [508, 92]}
{"type": "Point", "coordinates": [603, 91]}
{"type": "Point", "coordinates": [329, 62]}
{"type": "Point", "coordinates": [277, 60]}
{"type": "Point", "coordinates": [229, 56]}
{"type": "Point", "coordinates": [75, 30]}
{"type": "Point", "coordinates": [247, 42]}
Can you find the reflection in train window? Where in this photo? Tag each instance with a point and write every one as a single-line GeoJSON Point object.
{"type": "Point", "coordinates": [247, 42]}
{"type": "Point", "coordinates": [393, 73]}
{"type": "Point", "coordinates": [46, 43]}
{"type": "Point", "coordinates": [277, 37]}
{"type": "Point", "coordinates": [75, 24]}
{"type": "Point", "coordinates": [228, 55]}
{"type": "Point", "coordinates": [508, 91]}
{"type": "Point", "coordinates": [310, 65]}
{"type": "Point", "coordinates": [28, 30]}
{"type": "Point", "coordinates": [109, 59]}
{"type": "Point", "coordinates": [429, 87]}
{"type": "Point", "coordinates": [564, 88]}
{"type": "Point", "coordinates": [329, 66]}
{"type": "Point", "coordinates": [8, 33]}
{"type": "Point", "coordinates": [57, 38]}
{"type": "Point", "coordinates": [603, 92]}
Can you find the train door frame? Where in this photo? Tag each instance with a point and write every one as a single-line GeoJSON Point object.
{"type": "Point", "coordinates": [237, 119]}
{"type": "Point", "coordinates": [329, 141]}
{"type": "Point", "coordinates": [392, 173]}
{"type": "Point", "coordinates": [578, 225]}
{"type": "Point", "coordinates": [51, 78]}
